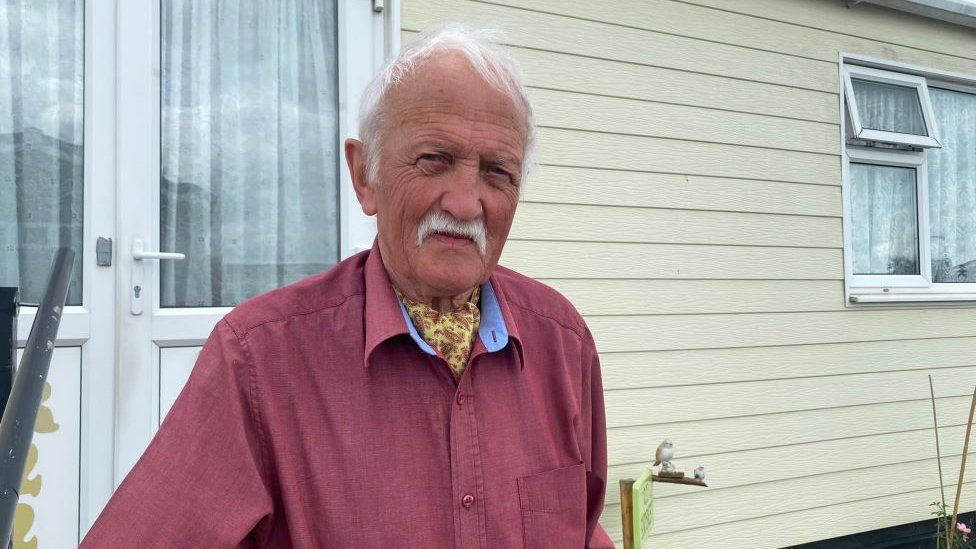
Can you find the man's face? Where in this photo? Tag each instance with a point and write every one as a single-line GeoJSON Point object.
{"type": "Point", "coordinates": [452, 145]}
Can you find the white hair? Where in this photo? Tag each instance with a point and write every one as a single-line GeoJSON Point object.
{"type": "Point", "coordinates": [441, 222]}
{"type": "Point", "coordinates": [481, 48]}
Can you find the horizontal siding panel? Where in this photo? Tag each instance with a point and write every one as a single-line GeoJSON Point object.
{"type": "Point", "coordinates": [670, 261]}
{"type": "Point", "coordinates": [697, 440]}
{"type": "Point", "coordinates": [562, 109]}
{"type": "Point", "coordinates": [587, 38]}
{"type": "Point", "coordinates": [725, 471]}
{"type": "Point", "coordinates": [864, 20]}
{"type": "Point", "coordinates": [651, 297]}
{"type": "Point", "coordinates": [578, 185]}
{"type": "Point", "coordinates": [807, 525]}
{"type": "Point", "coordinates": [560, 71]}
{"type": "Point", "coordinates": [568, 72]}
{"type": "Point", "coordinates": [649, 333]}
{"type": "Point", "coordinates": [622, 224]}
{"type": "Point", "coordinates": [685, 19]}
{"type": "Point", "coordinates": [754, 501]}
{"type": "Point", "coordinates": [666, 368]}
{"type": "Point", "coordinates": [629, 152]}
{"type": "Point", "coordinates": [688, 403]}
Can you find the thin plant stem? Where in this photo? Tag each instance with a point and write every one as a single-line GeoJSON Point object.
{"type": "Point", "coordinates": [962, 466]}
{"type": "Point", "coordinates": [938, 456]}
{"type": "Point", "coordinates": [938, 451]}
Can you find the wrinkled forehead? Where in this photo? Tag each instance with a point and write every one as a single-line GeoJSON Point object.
{"type": "Point", "coordinates": [448, 84]}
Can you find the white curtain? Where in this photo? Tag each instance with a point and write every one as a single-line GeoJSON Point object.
{"type": "Point", "coordinates": [952, 187]}
{"type": "Point", "coordinates": [41, 141]}
{"type": "Point", "coordinates": [248, 147]}
{"type": "Point", "coordinates": [889, 107]}
{"type": "Point", "coordinates": [884, 220]}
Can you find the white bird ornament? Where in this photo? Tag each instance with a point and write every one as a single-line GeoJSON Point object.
{"type": "Point", "coordinates": [700, 473]}
{"type": "Point", "coordinates": [665, 451]}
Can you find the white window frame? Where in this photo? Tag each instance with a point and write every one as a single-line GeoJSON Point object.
{"type": "Point", "coordinates": [931, 139]}
{"type": "Point", "coordinates": [904, 290]}
{"type": "Point", "coordinates": [898, 159]}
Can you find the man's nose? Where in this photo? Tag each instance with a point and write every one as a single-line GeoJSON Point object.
{"type": "Point", "coordinates": [462, 198]}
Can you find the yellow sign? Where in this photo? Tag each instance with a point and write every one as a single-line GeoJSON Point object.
{"type": "Point", "coordinates": [643, 493]}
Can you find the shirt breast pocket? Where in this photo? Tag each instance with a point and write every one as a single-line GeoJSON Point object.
{"type": "Point", "coordinates": [553, 505]}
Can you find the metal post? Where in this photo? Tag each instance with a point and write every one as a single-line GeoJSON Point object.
{"type": "Point", "coordinates": [17, 426]}
{"type": "Point", "coordinates": [9, 300]}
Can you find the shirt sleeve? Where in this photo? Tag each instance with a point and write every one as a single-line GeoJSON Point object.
{"type": "Point", "coordinates": [596, 467]}
{"type": "Point", "coordinates": [203, 480]}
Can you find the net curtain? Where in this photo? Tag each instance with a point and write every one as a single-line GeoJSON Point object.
{"type": "Point", "coordinates": [248, 146]}
{"type": "Point", "coordinates": [41, 142]}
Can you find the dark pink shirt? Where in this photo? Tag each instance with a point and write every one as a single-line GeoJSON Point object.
{"type": "Point", "coordinates": [313, 419]}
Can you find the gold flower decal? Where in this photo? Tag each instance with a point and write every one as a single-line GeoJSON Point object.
{"type": "Point", "coordinates": [24, 517]}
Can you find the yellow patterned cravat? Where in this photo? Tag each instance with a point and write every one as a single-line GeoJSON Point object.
{"type": "Point", "coordinates": [452, 334]}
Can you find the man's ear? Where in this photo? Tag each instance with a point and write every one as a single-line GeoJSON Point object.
{"type": "Point", "coordinates": [356, 159]}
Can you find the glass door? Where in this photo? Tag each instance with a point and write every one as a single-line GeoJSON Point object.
{"type": "Point", "coordinates": [231, 117]}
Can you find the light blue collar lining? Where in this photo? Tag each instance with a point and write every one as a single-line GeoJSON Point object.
{"type": "Point", "coordinates": [493, 332]}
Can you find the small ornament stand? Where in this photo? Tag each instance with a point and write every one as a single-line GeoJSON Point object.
{"type": "Point", "coordinates": [636, 504]}
{"type": "Point", "coordinates": [680, 480]}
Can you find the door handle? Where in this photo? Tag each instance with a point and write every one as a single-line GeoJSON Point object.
{"type": "Point", "coordinates": [139, 252]}
{"type": "Point", "coordinates": [137, 288]}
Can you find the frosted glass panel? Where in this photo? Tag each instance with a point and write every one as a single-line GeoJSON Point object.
{"type": "Point", "coordinates": [952, 187]}
{"type": "Point", "coordinates": [884, 220]}
{"type": "Point", "coordinates": [249, 147]}
{"type": "Point", "coordinates": [888, 107]}
{"type": "Point", "coordinates": [41, 141]}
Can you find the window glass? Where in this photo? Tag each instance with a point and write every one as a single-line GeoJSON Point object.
{"type": "Point", "coordinates": [41, 141]}
{"type": "Point", "coordinates": [249, 147]}
{"type": "Point", "coordinates": [952, 187]}
{"type": "Point", "coordinates": [884, 220]}
{"type": "Point", "coordinates": [888, 107]}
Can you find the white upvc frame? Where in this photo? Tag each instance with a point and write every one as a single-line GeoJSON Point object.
{"type": "Point", "coordinates": [356, 231]}
{"type": "Point", "coordinates": [899, 159]}
{"type": "Point", "coordinates": [860, 291]}
{"type": "Point", "coordinates": [897, 79]}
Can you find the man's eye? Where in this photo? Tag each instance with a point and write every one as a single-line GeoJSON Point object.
{"type": "Point", "coordinates": [432, 160]}
{"type": "Point", "coordinates": [499, 173]}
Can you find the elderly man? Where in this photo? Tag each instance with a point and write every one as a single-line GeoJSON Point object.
{"type": "Point", "coordinates": [416, 395]}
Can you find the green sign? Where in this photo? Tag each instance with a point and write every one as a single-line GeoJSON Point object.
{"type": "Point", "coordinates": [643, 493]}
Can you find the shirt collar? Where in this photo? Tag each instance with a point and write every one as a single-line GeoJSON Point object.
{"type": "Point", "coordinates": [386, 317]}
{"type": "Point", "coordinates": [381, 315]}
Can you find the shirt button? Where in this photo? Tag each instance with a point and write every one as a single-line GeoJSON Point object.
{"type": "Point", "coordinates": [467, 501]}
{"type": "Point", "coordinates": [460, 398]}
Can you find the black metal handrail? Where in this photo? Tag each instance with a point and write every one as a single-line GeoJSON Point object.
{"type": "Point", "coordinates": [9, 304]}
{"type": "Point", "coordinates": [17, 426]}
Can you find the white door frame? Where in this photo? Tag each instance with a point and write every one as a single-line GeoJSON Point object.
{"type": "Point", "coordinates": [98, 356]}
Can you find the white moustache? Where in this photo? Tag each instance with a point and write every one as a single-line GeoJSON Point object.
{"type": "Point", "coordinates": [440, 222]}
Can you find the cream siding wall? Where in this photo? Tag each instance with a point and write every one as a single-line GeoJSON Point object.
{"type": "Point", "coordinates": [689, 203]}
